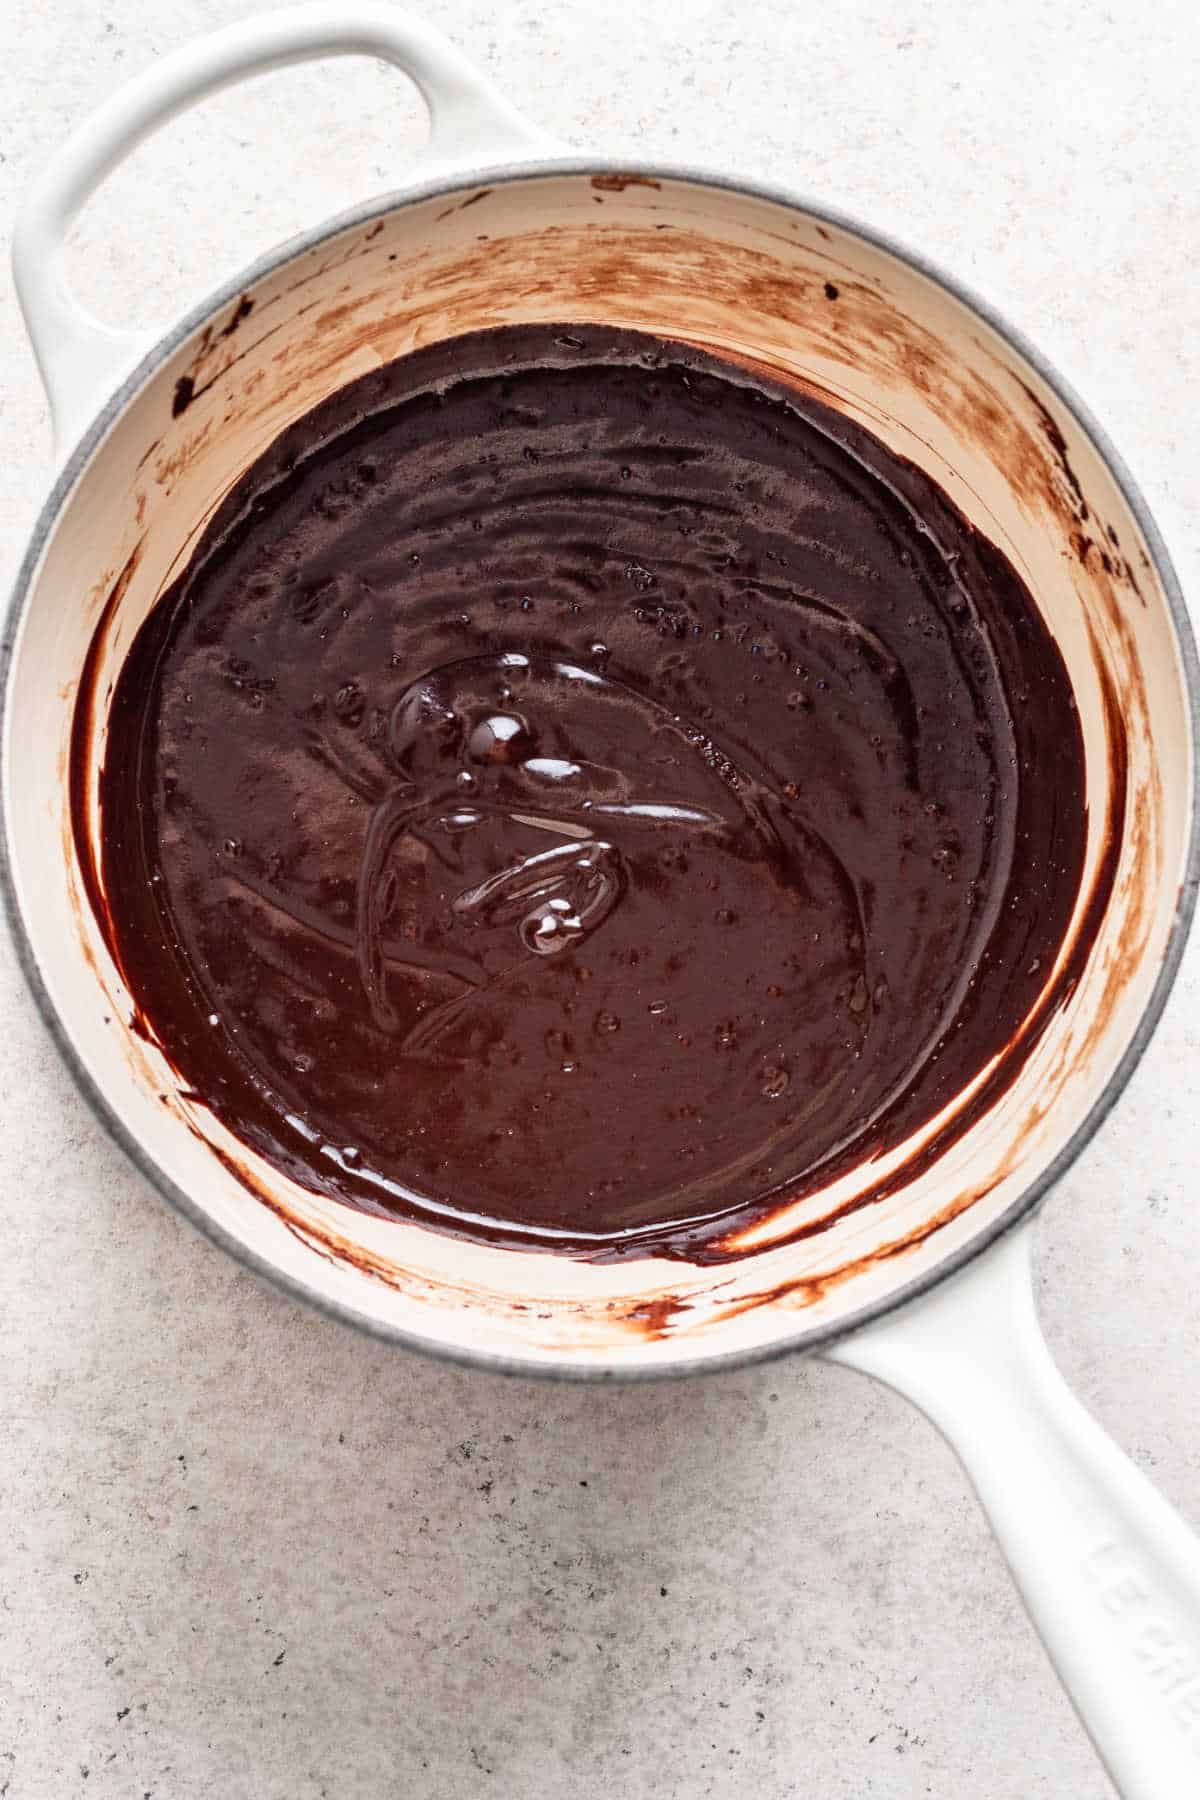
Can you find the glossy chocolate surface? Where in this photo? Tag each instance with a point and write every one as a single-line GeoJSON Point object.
{"type": "Point", "coordinates": [580, 792]}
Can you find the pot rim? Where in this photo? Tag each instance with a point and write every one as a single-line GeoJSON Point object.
{"type": "Point", "coordinates": [802, 1340]}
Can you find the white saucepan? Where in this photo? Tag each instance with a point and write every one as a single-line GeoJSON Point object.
{"type": "Point", "coordinates": [927, 1289]}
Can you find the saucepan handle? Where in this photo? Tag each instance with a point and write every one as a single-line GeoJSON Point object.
{"type": "Point", "coordinates": [1108, 1570]}
{"type": "Point", "coordinates": [83, 360]}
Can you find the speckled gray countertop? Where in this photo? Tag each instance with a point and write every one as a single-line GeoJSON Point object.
{"type": "Point", "coordinates": [247, 1555]}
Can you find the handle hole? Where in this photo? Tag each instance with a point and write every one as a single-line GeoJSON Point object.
{"type": "Point", "coordinates": [239, 173]}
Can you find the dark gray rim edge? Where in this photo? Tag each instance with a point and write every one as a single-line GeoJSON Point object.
{"type": "Point", "coordinates": [805, 1340]}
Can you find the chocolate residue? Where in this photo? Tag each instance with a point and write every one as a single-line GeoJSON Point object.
{"type": "Point", "coordinates": [242, 310]}
{"type": "Point", "coordinates": [462, 205]}
{"type": "Point", "coordinates": [616, 184]}
{"type": "Point", "coordinates": [584, 794]}
{"type": "Point", "coordinates": [83, 736]}
{"type": "Point", "coordinates": [1058, 443]}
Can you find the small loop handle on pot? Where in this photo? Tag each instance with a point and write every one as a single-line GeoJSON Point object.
{"type": "Point", "coordinates": [81, 359]}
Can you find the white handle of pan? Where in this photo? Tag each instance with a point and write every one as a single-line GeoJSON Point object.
{"type": "Point", "coordinates": [1108, 1570]}
{"type": "Point", "coordinates": [83, 360]}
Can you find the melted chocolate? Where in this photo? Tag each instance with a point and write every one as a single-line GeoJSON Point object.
{"type": "Point", "coordinates": [582, 792]}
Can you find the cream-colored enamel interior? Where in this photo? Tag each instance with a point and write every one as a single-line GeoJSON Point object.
{"type": "Point", "coordinates": [744, 276]}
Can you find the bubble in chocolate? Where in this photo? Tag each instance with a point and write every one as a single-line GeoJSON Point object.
{"type": "Point", "coordinates": [550, 927]}
{"type": "Point", "coordinates": [501, 738]}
